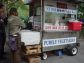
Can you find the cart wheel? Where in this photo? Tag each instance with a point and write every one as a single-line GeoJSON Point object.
{"type": "Point", "coordinates": [73, 51]}
{"type": "Point", "coordinates": [44, 56]}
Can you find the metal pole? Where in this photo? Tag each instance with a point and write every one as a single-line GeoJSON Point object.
{"type": "Point", "coordinates": [42, 25]}
{"type": "Point", "coordinates": [77, 11]}
{"type": "Point", "coordinates": [41, 15]}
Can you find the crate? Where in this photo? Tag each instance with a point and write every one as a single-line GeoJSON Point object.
{"type": "Point", "coordinates": [33, 49]}
{"type": "Point", "coordinates": [34, 59]}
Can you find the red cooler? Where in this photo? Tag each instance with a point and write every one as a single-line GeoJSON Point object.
{"type": "Point", "coordinates": [75, 26]}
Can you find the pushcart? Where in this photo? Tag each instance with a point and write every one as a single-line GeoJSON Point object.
{"type": "Point", "coordinates": [55, 26]}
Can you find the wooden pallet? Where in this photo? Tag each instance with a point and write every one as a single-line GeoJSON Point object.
{"type": "Point", "coordinates": [33, 49]}
{"type": "Point", "coordinates": [33, 59]}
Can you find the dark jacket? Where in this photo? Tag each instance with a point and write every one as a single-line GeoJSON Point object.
{"type": "Point", "coordinates": [3, 23]}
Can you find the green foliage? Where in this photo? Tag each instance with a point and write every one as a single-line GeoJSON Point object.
{"type": "Point", "coordinates": [13, 3]}
{"type": "Point", "coordinates": [81, 7]}
{"type": "Point", "coordinates": [81, 15]}
{"type": "Point", "coordinates": [81, 10]}
{"type": "Point", "coordinates": [23, 13]}
{"type": "Point", "coordinates": [22, 9]}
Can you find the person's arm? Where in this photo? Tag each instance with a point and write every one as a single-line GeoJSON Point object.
{"type": "Point", "coordinates": [21, 23]}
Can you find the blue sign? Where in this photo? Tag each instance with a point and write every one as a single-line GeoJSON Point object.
{"type": "Point", "coordinates": [59, 10]}
{"type": "Point", "coordinates": [59, 41]}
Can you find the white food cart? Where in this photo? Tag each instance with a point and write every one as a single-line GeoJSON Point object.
{"type": "Point", "coordinates": [55, 25]}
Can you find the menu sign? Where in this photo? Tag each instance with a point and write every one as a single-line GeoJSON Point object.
{"type": "Point", "coordinates": [55, 28]}
{"type": "Point", "coordinates": [59, 10]}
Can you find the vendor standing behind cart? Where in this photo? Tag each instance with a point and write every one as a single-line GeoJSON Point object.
{"type": "Point", "coordinates": [14, 25]}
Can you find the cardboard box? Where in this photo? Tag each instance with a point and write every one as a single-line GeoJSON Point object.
{"type": "Point", "coordinates": [30, 37]}
{"type": "Point", "coordinates": [35, 59]}
{"type": "Point", "coordinates": [35, 49]}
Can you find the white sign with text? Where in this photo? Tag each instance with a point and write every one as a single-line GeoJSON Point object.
{"type": "Point", "coordinates": [58, 41]}
{"type": "Point", "coordinates": [59, 10]}
{"type": "Point", "coordinates": [55, 28]}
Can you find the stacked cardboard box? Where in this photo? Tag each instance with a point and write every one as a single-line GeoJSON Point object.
{"type": "Point", "coordinates": [34, 59]}
{"type": "Point", "coordinates": [34, 49]}
{"type": "Point", "coordinates": [31, 53]}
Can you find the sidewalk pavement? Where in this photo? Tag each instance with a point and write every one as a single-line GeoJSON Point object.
{"type": "Point", "coordinates": [8, 59]}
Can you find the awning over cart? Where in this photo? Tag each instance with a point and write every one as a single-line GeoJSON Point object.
{"type": "Point", "coordinates": [75, 1]}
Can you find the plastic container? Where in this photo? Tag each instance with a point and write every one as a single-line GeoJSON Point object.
{"type": "Point", "coordinates": [59, 53]}
{"type": "Point", "coordinates": [75, 26]}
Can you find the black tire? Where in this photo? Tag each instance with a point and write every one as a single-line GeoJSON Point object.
{"type": "Point", "coordinates": [44, 56]}
{"type": "Point", "coordinates": [73, 51]}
